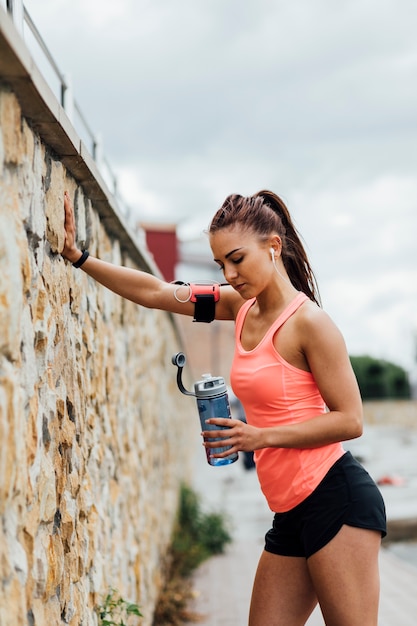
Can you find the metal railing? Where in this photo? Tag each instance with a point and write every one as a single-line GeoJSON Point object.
{"type": "Point", "coordinates": [64, 93]}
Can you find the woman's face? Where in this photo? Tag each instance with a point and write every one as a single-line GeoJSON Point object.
{"type": "Point", "coordinates": [243, 258]}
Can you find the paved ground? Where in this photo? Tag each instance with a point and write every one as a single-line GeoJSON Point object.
{"type": "Point", "coordinates": [223, 584]}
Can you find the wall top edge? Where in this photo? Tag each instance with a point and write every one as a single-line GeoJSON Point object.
{"type": "Point", "coordinates": [48, 118]}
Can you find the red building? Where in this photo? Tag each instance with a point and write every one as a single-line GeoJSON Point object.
{"type": "Point", "coordinates": [161, 240]}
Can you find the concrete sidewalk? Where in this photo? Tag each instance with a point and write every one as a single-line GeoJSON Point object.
{"type": "Point", "coordinates": [223, 584]}
{"type": "Point", "coordinates": [223, 588]}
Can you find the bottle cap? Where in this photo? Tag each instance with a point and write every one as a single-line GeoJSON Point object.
{"type": "Point", "coordinates": [210, 386]}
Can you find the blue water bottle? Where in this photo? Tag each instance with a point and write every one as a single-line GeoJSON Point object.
{"type": "Point", "coordinates": [212, 401]}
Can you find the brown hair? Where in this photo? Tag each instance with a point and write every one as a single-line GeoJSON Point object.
{"type": "Point", "coordinates": [265, 213]}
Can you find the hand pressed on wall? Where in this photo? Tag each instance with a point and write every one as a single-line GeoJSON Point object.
{"type": "Point", "coordinates": [70, 250]}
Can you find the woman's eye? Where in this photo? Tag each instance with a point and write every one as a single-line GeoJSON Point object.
{"type": "Point", "coordinates": [234, 261]}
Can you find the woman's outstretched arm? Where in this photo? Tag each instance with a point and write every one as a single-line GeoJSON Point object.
{"type": "Point", "coordinates": [135, 285]}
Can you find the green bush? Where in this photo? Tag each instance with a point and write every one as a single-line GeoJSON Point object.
{"type": "Point", "coordinates": [115, 611]}
{"type": "Point", "coordinates": [379, 379]}
{"type": "Point", "coordinates": [197, 536]}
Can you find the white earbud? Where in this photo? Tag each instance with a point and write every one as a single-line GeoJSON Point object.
{"type": "Point", "coordinates": [272, 251]}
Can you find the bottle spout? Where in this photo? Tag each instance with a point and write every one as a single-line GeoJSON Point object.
{"type": "Point", "coordinates": [179, 360]}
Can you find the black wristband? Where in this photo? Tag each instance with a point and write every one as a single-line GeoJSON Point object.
{"type": "Point", "coordinates": [82, 259]}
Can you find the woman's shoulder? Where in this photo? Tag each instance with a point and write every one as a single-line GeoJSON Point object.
{"type": "Point", "coordinates": [311, 316]}
{"type": "Point", "coordinates": [314, 323]}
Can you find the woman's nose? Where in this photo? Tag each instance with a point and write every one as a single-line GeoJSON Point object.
{"type": "Point", "coordinates": [229, 272]}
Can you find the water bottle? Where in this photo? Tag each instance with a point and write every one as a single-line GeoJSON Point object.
{"type": "Point", "coordinates": [212, 401]}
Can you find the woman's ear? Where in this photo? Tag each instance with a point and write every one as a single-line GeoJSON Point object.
{"type": "Point", "coordinates": [275, 244]}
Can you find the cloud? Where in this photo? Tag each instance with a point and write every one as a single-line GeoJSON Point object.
{"type": "Point", "coordinates": [165, 79]}
{"type": "Point", "coordinates": [315, 100]}
{"type": "Point", "coordinates": [361, 244]}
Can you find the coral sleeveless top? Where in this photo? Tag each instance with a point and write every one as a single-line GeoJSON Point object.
{"type": "Point", "coordinates": [273, 392]}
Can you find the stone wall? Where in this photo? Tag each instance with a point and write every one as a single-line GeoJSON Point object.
{"type": "Point", "coordinates": [92, 427]}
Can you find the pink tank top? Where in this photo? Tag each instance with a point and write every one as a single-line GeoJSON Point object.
{"type": "Point", "coordinates": [274, 392]}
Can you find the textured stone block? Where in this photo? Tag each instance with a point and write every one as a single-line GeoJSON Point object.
{"type": "Point", "coordinates": [11, 129]}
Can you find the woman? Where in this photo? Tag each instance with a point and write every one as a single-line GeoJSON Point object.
{"type": "Point", "coordinates": [292, 373]}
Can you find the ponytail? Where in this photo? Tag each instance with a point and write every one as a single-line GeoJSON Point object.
{"type": "Point", "coordinates": [294, 255]}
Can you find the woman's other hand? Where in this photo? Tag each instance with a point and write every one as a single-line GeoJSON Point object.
{"type": "Point", "coordinates": [235, 433]}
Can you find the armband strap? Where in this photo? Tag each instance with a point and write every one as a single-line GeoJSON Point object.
{"type": "Point", "coordinates": [205, 297]}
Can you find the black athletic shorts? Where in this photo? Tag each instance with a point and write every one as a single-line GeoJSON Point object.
{"type": "Point", "coordinates": [346, 495]}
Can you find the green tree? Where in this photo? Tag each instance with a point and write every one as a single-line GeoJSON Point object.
{"type": "Point", "coordinates": [380, 379]}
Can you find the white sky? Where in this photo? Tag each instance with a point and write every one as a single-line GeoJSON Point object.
{"type": "Point", "coordinates": [314, 99]}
